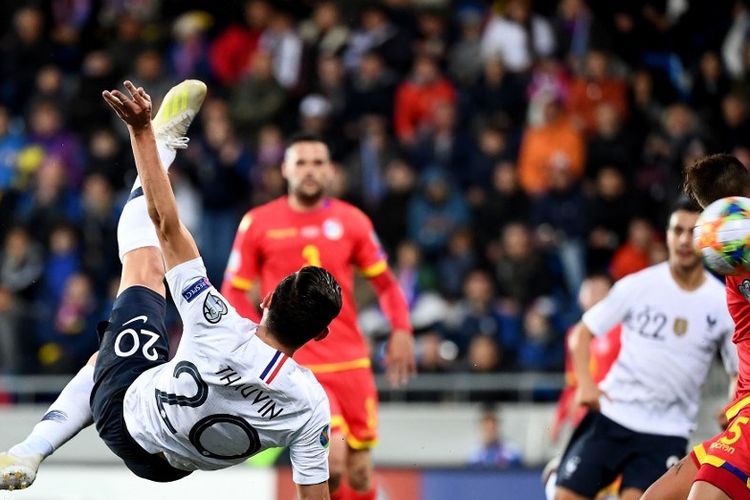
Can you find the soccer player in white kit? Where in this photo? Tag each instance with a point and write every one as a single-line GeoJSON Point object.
{"type": "Point", "coordinates": [232, 389]}
{"type": "Point", "coordinates": [674, 321]}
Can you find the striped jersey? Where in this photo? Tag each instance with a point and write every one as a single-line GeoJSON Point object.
{"type": "Point", "coordinates": [226, 395]}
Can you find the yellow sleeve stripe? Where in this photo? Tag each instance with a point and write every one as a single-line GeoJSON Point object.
{"type": "Point", "coordinates": [705, 458]}
{"type": "Point", "coordinates": [376, 269]}
{"type": "Point", "coordinates": [337, 367]}
{"type": "Point", "coordinates": [338, 424]}
{"type": "Point", "coordinates": [735, 408]}
{"type": "Point", "coordinates": [242, 283]}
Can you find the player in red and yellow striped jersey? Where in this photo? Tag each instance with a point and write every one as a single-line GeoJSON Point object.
{"type": "Point", "coordinates": [719, 469]}
{"type": "Point", "coordinates": [308, 228]}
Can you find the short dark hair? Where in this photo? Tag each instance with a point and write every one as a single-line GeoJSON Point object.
{"type": "Point", "coordinates": [716, 176]}
{"type": "Point", "coordinates": [303, 305]}
{"type": "Point", "coordinates": [304, 137]}
{"type": "Point", "coordinates": [685, 204]}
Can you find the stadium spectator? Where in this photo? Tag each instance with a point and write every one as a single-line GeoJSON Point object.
{"type": "Point", "coordinates": [377, 33]}
{"type": "Point", "coordinates": [66, 341]}
{"type": "Point", "coordinates": [464, 56]}
{"type": "Point", "coordinates": [502, 203]}
{"type": "Point", "coordinates": [521, 272]}
{"type": "Point", "coordinates": [281, 41]}
{"type": "Point", "coordinates": [371, 88]}
{"type": "Point", "coordinates": [555, 143]}
{"type": "Point", "coordinates": [517, 36]}
{"type": "Point", "coordinates": [324, 32]}
{"type": "Point", "coordinates": [189, 54]}
{"type": "Point", "coordinates": [417, 97]}
{"type": "Point", "coordinates": [391, 225]}
{"type": "Point", "coordinates": [498, 95]}
{"type": "Point", "coordinates": [20, 270]}
{"type": "Point", "coordinates": [435, 212]}
{"type": "Point", "coordinates": [494, 452]}
{"type": "Point", "coordinates": [596, 86]}
{"type": "Point", "coordinates": [257, 98]}
{"type": "Point", "coordinates": [234, 50]}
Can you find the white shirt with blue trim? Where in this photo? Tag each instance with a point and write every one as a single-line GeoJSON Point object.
{"type": "Point", "coordinates": [226, 395]}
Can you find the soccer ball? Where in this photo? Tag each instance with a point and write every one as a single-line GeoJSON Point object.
{"type": "Point", "coordinates": [722, 235]}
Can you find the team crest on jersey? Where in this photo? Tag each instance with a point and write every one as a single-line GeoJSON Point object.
{"type": "Point", "coordinates": [744, 289]}
{"type": "Point", "coordinates": [680, 326]}
{"type": "Point", "coordinates": [214, 308]}
{"type": "Point", "coordinates": [332, 229]}
{"type": "Point", "coordinates": [196, 288]}
{"type": "Point", "coordinates": [324, 437]}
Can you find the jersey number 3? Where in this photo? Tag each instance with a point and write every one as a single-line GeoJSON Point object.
{"type": "Point", "coordinates": [219, 429]}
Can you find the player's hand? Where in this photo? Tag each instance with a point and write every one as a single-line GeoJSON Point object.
{"type": "Point", "coordinates": [135, 110]}
{"type": "Point", "coordinates": [588, 395]}
{"type": "Point", "coordinates": [399, 358]}
{"type": "Point", "coordinates": [721, 419]}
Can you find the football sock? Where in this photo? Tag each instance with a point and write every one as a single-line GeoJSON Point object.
{"type": "Point", "coordinates": [370, 494]}
{"type": "Point", "coordinates": [135, 229]}
{"type": "Point", "coordinates": [70, 413]}
{"type": "Point", "coordinates": [343, 492]}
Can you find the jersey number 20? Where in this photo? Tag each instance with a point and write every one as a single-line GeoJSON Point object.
{"type": "Point", "coordinates": [207, 423]}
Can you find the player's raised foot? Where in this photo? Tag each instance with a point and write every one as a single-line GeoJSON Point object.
{"type": "Point", "coordinates": [17, 473]}
{"type": "Point", "coordinates": [176, 113]}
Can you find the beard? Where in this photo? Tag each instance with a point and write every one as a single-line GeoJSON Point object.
{"type": "Point", "coordinates": [309, 196]}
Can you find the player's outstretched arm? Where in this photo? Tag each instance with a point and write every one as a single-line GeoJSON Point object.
{"type": "Point", "coordinates": [313, 491]}
{"type": "Point", "coordinates": [176, 241]}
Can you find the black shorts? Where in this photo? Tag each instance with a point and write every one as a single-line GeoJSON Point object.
{"type": "Point", "coordinates": [601, 449]}
{"type": "Point", "coordinates": [117, 366]}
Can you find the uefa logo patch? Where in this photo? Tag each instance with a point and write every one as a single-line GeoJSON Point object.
{"type": "Point", "coordinates": [324, 437]}
{"type": "Point", "coordinates": [195, 289]}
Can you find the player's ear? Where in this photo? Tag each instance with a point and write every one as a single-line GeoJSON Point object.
{"type": "Point", "coordinates": [322, 335]}
{"type": "Point", "coordinates": [266, 301]}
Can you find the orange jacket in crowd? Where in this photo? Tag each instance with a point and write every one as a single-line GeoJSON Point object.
{"type": "Point", "coordinates": [545, 147]}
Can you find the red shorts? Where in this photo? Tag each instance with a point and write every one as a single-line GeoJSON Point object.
{"type": "Point", "coordinates": [724, 460]}
{"type": "Point", "coordinates": [354, 405]}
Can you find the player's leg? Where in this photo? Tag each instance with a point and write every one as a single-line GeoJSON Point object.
{"type": "Point", "coordinates": [135, 338]}
{"type": "Point", "coordinates": [702, 490]}
{"type": "Point", "coordinates": [675, 483]}
{"type": "Point", "coordinates": [653, 456]}
{"type": "Point", "coordinates": [358, 397]}
{"type": "Point", "coordinates": [360, 474]}
{"type": "Point", "coordinates": [337, 448]}
{"type": "Point", "coordinates": [592, 459]}
{"type": "Point", "coordinates": [65, 417]}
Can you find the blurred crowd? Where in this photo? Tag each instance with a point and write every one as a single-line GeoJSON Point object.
{"type": "Point", "coordinates": [505, 150]}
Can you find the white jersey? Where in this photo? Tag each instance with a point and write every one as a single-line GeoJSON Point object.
{"type": "Point", "coordinates": [670, 337]}
{"type": "Point", "coordinates": [226, 395]}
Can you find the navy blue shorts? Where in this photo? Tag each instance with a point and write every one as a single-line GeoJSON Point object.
{"type": "Point", "coordinates": [121, 360]}
{"type": "Point", "coordinates": [601, 449]}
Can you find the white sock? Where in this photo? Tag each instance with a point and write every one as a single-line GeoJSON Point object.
{"type": "Point", "coordinates": [135, 229]}
{"type": "Point", "coordinates": [549, 488]}
{"type": "Point", "coordinates": [70, 413]}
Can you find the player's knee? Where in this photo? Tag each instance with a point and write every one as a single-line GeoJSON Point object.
{"type": "Point", "coordinates": [360, 476]}
{"type": "Point", "coordinates": [334, 480]}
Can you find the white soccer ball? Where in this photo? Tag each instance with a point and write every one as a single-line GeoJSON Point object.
{"type": "Point", "coordinates": [722, 235]}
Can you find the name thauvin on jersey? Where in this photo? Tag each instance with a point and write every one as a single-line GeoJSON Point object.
{"type": "Point", "coordinates": [257, 396]}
